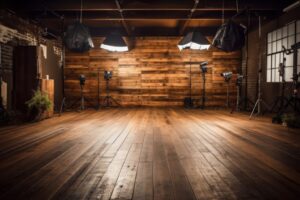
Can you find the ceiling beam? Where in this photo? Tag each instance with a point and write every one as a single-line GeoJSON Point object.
{"type": "Point", "coordinates": [103, 5]}
{"type": "Point", "coordinates": [125, 25]}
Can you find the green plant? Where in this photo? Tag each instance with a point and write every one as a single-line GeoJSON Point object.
{"type": "Point", "coordinates": [38, 104]}
{"type": "Point", "coordinates": [291, 120]}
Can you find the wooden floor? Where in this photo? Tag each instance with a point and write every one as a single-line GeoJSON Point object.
{"type": "Point", "coordinates": [149, 154]}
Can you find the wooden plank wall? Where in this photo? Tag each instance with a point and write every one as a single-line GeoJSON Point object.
{"type": "Point", "coordinates": [153, 73]}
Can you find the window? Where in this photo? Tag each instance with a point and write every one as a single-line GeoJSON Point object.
{"type": "Point", "coordinates": [285, 36]}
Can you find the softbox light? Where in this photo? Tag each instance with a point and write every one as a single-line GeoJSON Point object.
{"type": "Point", "coordinates": [229, 37]}
{"type": "Point", "coordinates": [78, 38]}
{"type": "Point", "coordinates": [114, 43]}
{"type": "Point", "coordinates": [194, 40]}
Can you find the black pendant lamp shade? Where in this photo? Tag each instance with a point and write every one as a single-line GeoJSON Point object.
{"type": "Point", "coordinates": [229, 37]}
{"type": "Point", "coordinates": [114, 43]}
{"type": "Point", "coordinates": [78, 38]}
{"type": "Point", "coordinates": [194, 40]}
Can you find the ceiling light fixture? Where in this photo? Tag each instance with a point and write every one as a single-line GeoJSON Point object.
{"type": "Point", "coordinates": [114, 43]}
{"type": "Point", "coordinates": [194, 40]}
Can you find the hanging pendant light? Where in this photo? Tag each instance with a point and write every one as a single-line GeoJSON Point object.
{"type": "Point", "coordinates": [194, 40]}
{"type": "Point", "coordinates": [77, 37]}
{"type": "Point", "coordinates": [114, 42]}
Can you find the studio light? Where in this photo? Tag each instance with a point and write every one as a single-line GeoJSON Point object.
{"type": "Point", "coordinates": [107, 75]}
{"type": "Point", "coordinates": [239, 80]}
{"type": "Point", "coordinates": [78, 38]}
{"type": "Point", "coordinates": [203, 67]}
{"type": "Point", "coordinates": [114, 43]}
{"type": "Point", "coordinates": [229, 37]}
{"type": "Point", "coordinates": [82, 79]}
{"type": "Point", "coordinates": [227, 76]}
{"type": "Point", "coordinates": [194, 40]}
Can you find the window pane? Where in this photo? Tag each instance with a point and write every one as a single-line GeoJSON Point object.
{"type": "Point", "coordinates": [279, 36]}
{"type": "Point", "coordinates": [269, 62]}
{"type": "Point", "coordinates": [274, 47]}
{"type": "Point", "coordinates": [269, 37]}
{"type": "Point", "coordinates": [291, 41]}
{"type": "Point", "coordinates": [273, 75]}
{"type": "Point", "coordinates": [281, 57]}
{"type": "Point", "coordinates": [298, 26]}
{"type": "Point", "coordinates": [269, 48]}
{"type": "Point", "coordinates": [273, 35]}
{"type": "Point", "coordinates": [291, 28]}
{"type": "Point", "coordinates": [289, 60]}
{"type": "Point", "coordinates": [298, 37]}
{"type": "Point", "coordinates": [276, 75]}
{"type": "Point", "coordinates": [273, 61]}
{"type": "Point", "coordinates": [284, 42]}
{"type": "Point", "coordinates": [279, 45]}
{"type": "Point", "coordinates": [277, 60]}
{"type": "Point", "coordinates": [269, 75]}
{"type": "Point", "coordinates": [288, 73]}
{"type": "Point", "coordinates": [284, 31]}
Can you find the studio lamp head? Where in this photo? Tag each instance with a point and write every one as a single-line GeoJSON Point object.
{"type": "Point", "coordinates": [107, 75]}
{"type": "Point", "coordinates": [114, 42]}
{"type": "Point", "coordinates": [82, 79]}
{"type": "Point", "coordinates": [194, 40]}
{"type": "Point", "coordinates": [239, 79]}
{"type": "Point", "coordinates": [227, 75]}
{"type": "Point", "coordinates": [203, 66]}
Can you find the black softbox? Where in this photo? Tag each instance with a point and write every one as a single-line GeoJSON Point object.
{"type": "Point", "coordinates": [78, 38]}
{"type": "Point", "coordinates": [229, 37]}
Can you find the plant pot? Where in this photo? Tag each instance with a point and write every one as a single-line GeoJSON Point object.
{"type": "Point", "coordinates": [35, 114]}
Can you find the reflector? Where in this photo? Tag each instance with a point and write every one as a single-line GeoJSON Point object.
{"type": "Point", "coordinates": [114, 43]}
{"type": "Point", "coordinates": [78, 38]}
{"type": "Point", "coordinates": [229, 37]}
{"type": "Point", "coordinates": [194, 40]}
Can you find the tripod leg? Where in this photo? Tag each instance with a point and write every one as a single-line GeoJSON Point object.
{"type": "Point", "coordinates": [256, 104]}
{"type": "Point", "coordinates": [62, 106]}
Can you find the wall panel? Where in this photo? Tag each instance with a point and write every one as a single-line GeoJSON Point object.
{"type": "Point", "coordinates": [153, 73]}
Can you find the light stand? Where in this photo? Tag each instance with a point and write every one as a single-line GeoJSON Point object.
{"type": "Point", "coordinates": [203, 67]}
{"type": "Point", "coordinates": [280, 100]}
{"type": "Point", "coordinates": [2, 108]}
{"type": "Point", "coordinates": [294, 100]}
{"type": "Point", "coordinates": [98, 89]}
{"type": "Point", "coordinates": [259, 95]}
{"type": "Point", "coordinates": [108, 100]}
{"type": "Point", "coordinates": [239, 82]}
{"type": "Point", "coordinates": [227, 77]}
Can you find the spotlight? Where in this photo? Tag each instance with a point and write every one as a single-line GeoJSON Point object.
{"type": "Point", "coordinates": [194, 40]}
{"type": "Point", "coordinates": [107, 75]}
{"type": "Point", "coordinates": [114, 43]}
{"type": "Point", "coordinates": [82, 79]}
{"type": "Point", "coordinates": [203, 66]}
{"type": "Point", "coordinates": [227, 76]}
{"type": "Point", "coordinates": [239, 80]}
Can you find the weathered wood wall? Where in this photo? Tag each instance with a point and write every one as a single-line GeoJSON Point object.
{"type": "Point", "coordinates": [153, 73]}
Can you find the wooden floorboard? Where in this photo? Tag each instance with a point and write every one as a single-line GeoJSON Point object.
{"type": "Point", "coordinates": [150, 153]}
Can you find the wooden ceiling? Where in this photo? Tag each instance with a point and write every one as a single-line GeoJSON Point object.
{"type": "Point", "coordinates": [144, 17]}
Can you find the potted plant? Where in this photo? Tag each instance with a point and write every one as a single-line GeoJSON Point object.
{"type": "Point", "coordinates": [37, 105]}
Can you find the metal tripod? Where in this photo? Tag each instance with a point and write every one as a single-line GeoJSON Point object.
{"type": "Point", "coordinates": [281, 100]}
{"type": "Point", "coordinates": [227, 93]}
{"type": "Point", "coordinates": [259, 100]}
{"type": "Point", "coordinates": [108, 101]}
{"type": "Point", "coordinates": [203, 90]}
